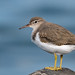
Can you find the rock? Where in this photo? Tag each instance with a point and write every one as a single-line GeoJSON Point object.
{"type": "Point", "coordinates": [64, 71]}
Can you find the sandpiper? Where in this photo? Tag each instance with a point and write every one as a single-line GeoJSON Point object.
{"type": "Point", "coordinates": [52, 38]}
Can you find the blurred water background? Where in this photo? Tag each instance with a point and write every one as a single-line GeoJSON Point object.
{"type": "Point", "coordinates": [18, 55]}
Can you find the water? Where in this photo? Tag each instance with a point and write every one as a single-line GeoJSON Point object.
{"type": "Point", "coordinates": [18, 55]}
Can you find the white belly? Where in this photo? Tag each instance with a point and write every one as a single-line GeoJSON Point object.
{"type": "Point", "coordinates": [51, 48]}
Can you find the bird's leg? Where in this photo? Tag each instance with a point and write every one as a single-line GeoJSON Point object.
{"type": "Point", "coordinates": [55, 61]}
{"type": "Point", "coordinates": [53, 68]}
{"type": "Point", "coordinates": [61, 57]}
{"type": "Point", "coordinates": [56, 68]}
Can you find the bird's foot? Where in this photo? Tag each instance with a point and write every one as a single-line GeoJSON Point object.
{"type": "Point", "coordinates": [53, 68]}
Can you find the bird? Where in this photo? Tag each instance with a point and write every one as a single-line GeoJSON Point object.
{"type": "Point", "coordinates": [51, 38]}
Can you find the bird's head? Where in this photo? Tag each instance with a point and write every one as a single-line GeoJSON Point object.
{"type": "Point", "coordinates": [34, 22]}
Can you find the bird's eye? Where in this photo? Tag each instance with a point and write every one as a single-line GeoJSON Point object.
{"type": "Point", "coordinates": [35, 21]}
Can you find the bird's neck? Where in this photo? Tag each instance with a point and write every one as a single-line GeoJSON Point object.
{"type": "Point", "coordinates": [35, 28]}
{"type": "Point", "coordinates": [34, 31]}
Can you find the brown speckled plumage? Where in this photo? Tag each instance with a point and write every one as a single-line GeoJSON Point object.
{"type": "Point", "coordinates": [55, 34]}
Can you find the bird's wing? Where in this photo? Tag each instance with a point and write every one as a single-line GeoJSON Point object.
{"type": "Point", "coordinates": [57, 35]}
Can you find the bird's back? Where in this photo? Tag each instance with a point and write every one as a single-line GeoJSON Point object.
{"type": "Point", "coordinates": [56, 34]}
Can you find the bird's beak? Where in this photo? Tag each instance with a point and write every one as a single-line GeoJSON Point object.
{"type": "Point", "coordinates": [28, 25]}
